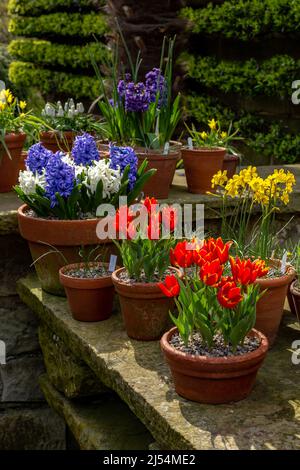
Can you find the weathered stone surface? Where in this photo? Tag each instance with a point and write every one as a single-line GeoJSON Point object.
{"type": "Point", "coordinates": [15, 262]}
{"type": "Point", "coordinates": [102, 424]}
{"type": "Point", "coordinates": [68, 374]}
{"type": "Point", "coordinates": [18, 326]}
{"type": "Point", "coordinates": [268, 419]}
{"type": "Point", "coordinates": [31, 429]}
{"type": "Point", "coordinates": [20, 379]}
{"type": "Point", "coordinates": [9, 203]}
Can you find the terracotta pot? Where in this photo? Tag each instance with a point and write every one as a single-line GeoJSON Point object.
{"type": "Point", "coordinates": [201, 164]}
{"type": "Point", "coordinates": [159, 184]}
{"type": "Point", "coordinates": [230, 164]}
{"type": "Point", "coordinates": [89, 299]}
{"type": "Point", "coordinates": [145, 309]}
{"type": "Point", "coordinates": [269, 308]}
{"type": "Point", "coordinates": [10, 164]}
{"type": "Point", "coordinates": [295, 298]}
{"type": "Point", "coordinates": [56, 243]}
{"type": "Point", "coordinates": [56, 141]}
{"type": "Point", "coordinates": [22, 165]}
{"type": "Point", "coordinates": [213, 379]}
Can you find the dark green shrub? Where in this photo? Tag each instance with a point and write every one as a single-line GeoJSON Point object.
{"type": "Point", "coordinates": [47, 53]}
{"type": "Point", "coordinates": [36, 7]}
{"type": "Point", "coordinates": [29, 75]}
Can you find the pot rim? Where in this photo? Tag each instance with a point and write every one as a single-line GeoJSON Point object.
{"type": "Point", "coordinates": [229, 360]}
{"type": "Point", "coordinates": [204, 149]}
{"type": "Point", "coordinates": [24, 207]}
{"type": "Point", "coordinates": [150, 285]}
{"type": "Point", "coordinates": [293, 289]}
{"type": "Point", "coordinates": [278, 281]}
{"type": "Point", "coordinates": [84, 283]}
{"type": "Point", "coordinates": [13, 135]}
{"type": "Point", "coordinates": [55, 131]}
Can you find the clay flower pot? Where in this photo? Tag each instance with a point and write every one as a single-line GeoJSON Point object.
{"type": "Point", "coordinates": [230, 164]}
{"type": "Point", "coordinates": [159, 184]}
{"type": "Point", "coordinates": [56, 243]}
{"type": "Point", "coordinates": [89, 299]}
{"type": "Point", "coordinates": [269, 308]}
{"type": "Point", "coordinates": [145, 309]}
{"type": "Point", "coordinates": [10, 164]}
{"type": "Point", "coordinates": [213, 379]}
{"type": "Point", "coordinates": [295, 298]}
{"type": "Point", "coordinates": [56, 141]}
{"type": "Point", "coordinates": [201, 164]}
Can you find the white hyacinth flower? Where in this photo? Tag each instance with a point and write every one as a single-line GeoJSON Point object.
{"type": "Point", "coordinates": [29, 180]}
{"type": "Point", "coordinates": [80, 108]}
{"type": "Point", "coordinates": [60, 111]}
{"type": "Point", "coordinates": [100, 171]}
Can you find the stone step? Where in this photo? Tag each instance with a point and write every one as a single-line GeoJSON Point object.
{"type": "Point", "coordinates": [102, 424]}
{"type": "Point", "coordinates": [268, 419]}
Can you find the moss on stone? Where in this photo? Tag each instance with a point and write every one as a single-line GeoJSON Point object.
{"type": "Point", "coordinates": [70, 375]}
{"type": "Point", "coordinates": [105, 424]}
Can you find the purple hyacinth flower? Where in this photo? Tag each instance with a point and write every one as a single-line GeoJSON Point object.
{"type": "Point", "coordinates": [137, 97]}
{"type": "Point", "coordinates": [156, 83]}
{"type": "Point", "coordinates": [85, 150]}
{"type": "Point", "coordinates": [120, 157]}
{"type": "Point", "coordinates": [37, 158]}
{"type": "Point", "coordinates": [60, 178]}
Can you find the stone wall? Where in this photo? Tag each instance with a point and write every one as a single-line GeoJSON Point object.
{"type": "Point", "coordinates": [26, 421]}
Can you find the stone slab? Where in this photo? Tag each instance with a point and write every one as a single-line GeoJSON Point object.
{"type": "Point", "coordinates": [20, 379]}
{"type": "Point", "coordinates": [69, 374]}
{"type": "Point", "coordinates": [31, 428]}
{"type": "Point", "coordinates": [18, 326]}
{"type": "Point", "coordinates": [103, 424]}
{"type": "Point", "coordinates": [137, 372]}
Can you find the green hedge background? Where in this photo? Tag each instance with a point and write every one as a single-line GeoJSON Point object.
{"type": "Point", "coordinates": [53, 41]}
{"type": "Point", "coordinates": [242, 59]}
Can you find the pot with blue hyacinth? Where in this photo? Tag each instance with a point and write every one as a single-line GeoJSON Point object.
{"type": "Point", "coordinates": [61, 193]}
{"type": "Point", "coordinates": [144, 115]}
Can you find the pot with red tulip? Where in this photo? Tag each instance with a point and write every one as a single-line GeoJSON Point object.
{"type": "Point", "coordinates": [145, 255]}
{"type": "Point", "coordinates": [213, 351]}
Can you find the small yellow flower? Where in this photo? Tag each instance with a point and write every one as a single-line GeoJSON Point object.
{"type": "Point", "coordinates": [212, 124]}
{"type": "Point", "coordinates": [23, 104]}
{"type": "Point", "coordinates": [9, 96]}
{"type": "Point", "coordinates": [2, 106]}
{"type": "Point", "coordinates": [203, 135]}
{"type": "Point", "coordinates": [22, 115]}
{"type": "Point", "coordinates": [223, 135]}
{"type": "Point", "coordinates": [219, 179]}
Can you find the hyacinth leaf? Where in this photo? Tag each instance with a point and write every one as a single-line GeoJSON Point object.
{"type": "Point", "coordinates": [98, 194]}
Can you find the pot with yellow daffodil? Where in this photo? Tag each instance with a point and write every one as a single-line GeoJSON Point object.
{"type": "Point", "coordinates": [205, 155]}
{"type": "Point", "coordinates": [247, 195]}
{"type": "Point", "coordinates": [14, 122]}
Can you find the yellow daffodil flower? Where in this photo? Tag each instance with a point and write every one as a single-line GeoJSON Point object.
{"type": "Point", "coordinates": [203, 135]}
{"type": "Point", "coordinates": [219, 179]}
{"type": "Point", "coordinates": [212, 124]}
{"type": "Point", "coordinates": [23, 104]}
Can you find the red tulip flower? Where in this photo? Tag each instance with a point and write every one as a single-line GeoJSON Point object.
{"type": "Point", "coordinates": [149, 202]}
{"type": "Point", "coordinates": [246, 272]}
{"type": "Point", "coordinates": [212, 249]}
{"type": "Point", "coordinates": [169, 217]}
{"type": "Point", "coordinates": [181, 256]}
{"type": "Point", "coordinates": [229, 295]}
{"type": "Point", "coordinates": [170, 287]}
{"type": "Point", "coordinates": [211, 273]}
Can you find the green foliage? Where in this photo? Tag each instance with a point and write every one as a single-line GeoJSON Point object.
{"type": "Point", "coordinates": [145, 259]}
{"type": "Point", "coordinates": [272, 77]}
{"type": "Point", "coordinates": [60, 24]}
{"type": "Point", "coordinates": [48, 53]}
{"type": "Point", "coordinates": [269, 139]}
{"type": "Point", "coordinates": [245, 19]}
{"type": "Point", "coordinates": [36, 7]}
{"type": "Point", "coordinates": [4, 63]}
{"type": "Point", "coordinates": [28, 75]}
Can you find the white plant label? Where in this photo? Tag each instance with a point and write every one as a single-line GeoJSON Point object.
{"type": "Point", "coordinates": [166, 148]}
{"type": "Point", "coordinates": [112, 263]}
{"type": "Point", "coordinates": [190, 143]}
